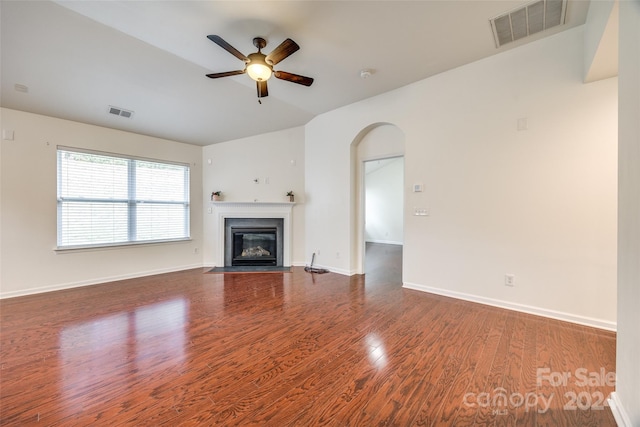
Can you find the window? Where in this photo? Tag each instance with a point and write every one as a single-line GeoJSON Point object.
{"type": "Point", "coordinates": [105, 199]}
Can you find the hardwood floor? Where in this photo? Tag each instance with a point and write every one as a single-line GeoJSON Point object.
{"type": "Point", "coordinates": [293, 349]}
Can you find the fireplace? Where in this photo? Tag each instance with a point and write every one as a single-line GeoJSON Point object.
{"type": "Point", "coordinates": [253, 242]}
{"type": "Point", "coordinates": [226, 214]}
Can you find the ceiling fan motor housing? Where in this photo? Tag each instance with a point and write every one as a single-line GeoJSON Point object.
{"type": "Point", "coordinates": [259, 42]}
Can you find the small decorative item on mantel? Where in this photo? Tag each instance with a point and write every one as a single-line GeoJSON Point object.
{"type": "Point", "coordinates": [290, 194]}
{"type": "Point", "coordinates": [216, 196]}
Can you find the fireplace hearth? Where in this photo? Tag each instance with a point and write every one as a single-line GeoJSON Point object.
{"type": "Point", "coordinates": [253, 242]}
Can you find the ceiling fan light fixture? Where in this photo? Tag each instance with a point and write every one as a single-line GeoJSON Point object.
{"type": "Point", "coordinates": [258, 69]}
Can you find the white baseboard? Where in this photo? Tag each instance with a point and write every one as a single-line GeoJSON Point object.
{"type": "Point", "coordinates": [343, 272]}
{"type": "Point", "coordinates": [337, 270]}
{"type": "Point", "coordinates": [567, 317]}
{"type": "Point", "coordinates": [385, 242]}
{"type": "Point", "coordinates": [621, 416]}
{"type": "Point", "coordinates": [331, 269]}
{"type": "Point", "coordinates": [95, 281]}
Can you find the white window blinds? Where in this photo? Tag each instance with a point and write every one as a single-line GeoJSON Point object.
{"type": "Point", "coordinates": [105, 199]}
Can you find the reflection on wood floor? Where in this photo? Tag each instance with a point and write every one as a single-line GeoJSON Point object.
{"type": "Point", "coordinates": [190, 348]}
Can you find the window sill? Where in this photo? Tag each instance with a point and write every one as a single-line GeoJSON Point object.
{"type": "Point", "coordinates": [101, 247]}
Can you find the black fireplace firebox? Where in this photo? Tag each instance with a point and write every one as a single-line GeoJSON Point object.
{"type": "Point", "coordinates": [253, 242]}
{"type": "Point", "coordinates": [254, 246]}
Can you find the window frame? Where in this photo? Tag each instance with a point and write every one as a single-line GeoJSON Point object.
{"type": "Point", "coordinates": [130, 201]}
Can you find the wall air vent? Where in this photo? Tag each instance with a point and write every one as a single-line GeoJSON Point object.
{"type": "Point", "coordinates": [527, 20]}
{"type": "Point", "coordinates": [120, 112]}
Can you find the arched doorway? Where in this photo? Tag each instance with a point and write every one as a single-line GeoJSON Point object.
{"type": "Point", "coordinates": [374, 143]}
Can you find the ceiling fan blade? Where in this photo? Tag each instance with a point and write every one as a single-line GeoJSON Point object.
{"type": "Point", "coordinates": [226, 46]}
{"type": "Point", "coordinates": [285, 49]}
{"type": "Point", "coordinates": [225, 74]}
{"type": "Point", "coordinates": [262, 89]}
{"type": "Point", "coordinates": [301, 80]}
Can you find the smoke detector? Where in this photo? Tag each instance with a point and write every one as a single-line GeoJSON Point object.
{"type": "Point", "coordinates": [365, 73]}
{"type": "Point", "coordinates": [526, 20]}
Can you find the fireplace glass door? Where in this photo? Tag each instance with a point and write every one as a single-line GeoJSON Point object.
{"type": "Point", "coordinates": [254, 246]}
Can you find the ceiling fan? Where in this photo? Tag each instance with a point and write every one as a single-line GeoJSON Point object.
{"type": "Point", "coordinates": [260, 66]}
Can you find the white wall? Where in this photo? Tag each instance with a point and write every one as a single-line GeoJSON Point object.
{"type": "Point", "coordinates": [539, 203]}
{"type": "Point", "coordinates": [28, 218]}
{"type": "Point", "coordinates": [600, 41]}
{"type": "Point", "coordinates": [276, 157]}
{"type": "Point", "coordinates": [627, 393]}
{"type": "Point", "coordinates": [384, 188]}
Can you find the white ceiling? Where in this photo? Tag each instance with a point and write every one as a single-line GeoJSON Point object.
{"type": "Point", "coordinates": [79, 57]}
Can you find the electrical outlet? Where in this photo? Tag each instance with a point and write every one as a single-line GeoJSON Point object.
{"type": "Point", "coordinates": [509, 280]}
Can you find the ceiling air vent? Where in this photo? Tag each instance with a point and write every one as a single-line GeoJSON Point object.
{"type": "Point", "coordinates": [120, 112]}
{"type": "Point", "coordinates": [527, 20]}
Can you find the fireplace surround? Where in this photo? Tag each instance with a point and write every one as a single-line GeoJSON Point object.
{"type": "Point", "coordinates": [253, 242]}
{"type": "Point", "coordinates": [224, 210]}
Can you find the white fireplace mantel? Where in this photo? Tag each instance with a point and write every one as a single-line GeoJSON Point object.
{"type": "Point", "coordinates": [224, 210]}
{"type": "Point", "coordinates": [251, 205]}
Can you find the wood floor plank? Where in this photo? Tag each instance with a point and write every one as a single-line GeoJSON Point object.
{"type": "Point", "coordinates": [414, 388]}
{"type": "Point", "coordinates": [506, 414]}
{"type": "Point", "coordinates": [453, 358]}
{"type": "Point", "coordinates": [364, 334]}
{"type": "Point", "coordinates": [356, 348]}
{"type": "Point", "coordinates": [285, 349]}
{"type": "Point", "coordinates": [467, 411]}
{"type": "Point", "coordinates": [385, 360]}
{"type": "Point", "coordinates": [462, 390]}
{"type": "Point", "coordinates": [526, 413]}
